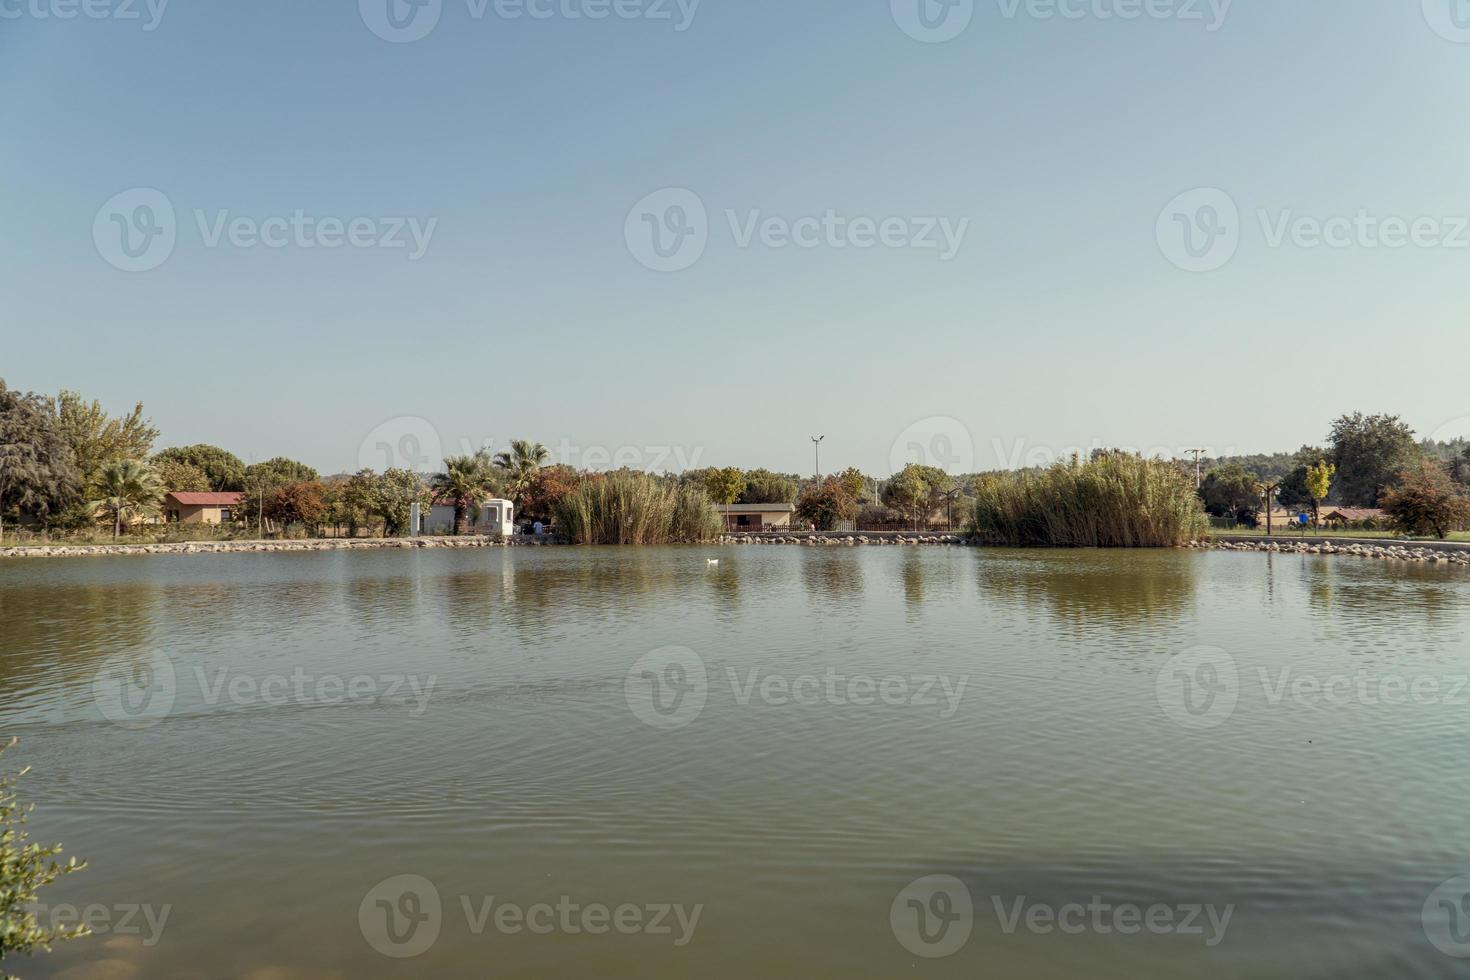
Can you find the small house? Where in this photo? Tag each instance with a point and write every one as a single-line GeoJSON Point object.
{"type": "Point", "coordinates": [495, 516]}
{"type": "Point", "coordinates": [757, 517]}
{"type": "Point", "coordinates": [186, 507]}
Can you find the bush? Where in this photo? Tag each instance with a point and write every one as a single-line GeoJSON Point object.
{"type": "Point", "coordinates": [25, 868]}
{"type": "Point", "coordinates": [628, 507]}
{"type": "Point", "coordinates": [1113, 501]}
{"type": "Point", "coordinates": [1427, 501]}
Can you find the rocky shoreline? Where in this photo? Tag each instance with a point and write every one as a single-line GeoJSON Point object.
{"type": "Point", "coordinates": [1390, 551]}
{"type": "Point", "coordinates": [239, 547]}
{"type": "Point", "coordinates": [824, 540]}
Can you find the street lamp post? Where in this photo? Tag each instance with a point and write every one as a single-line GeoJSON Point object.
{"type": "Point", "coordinates": [817, 453]}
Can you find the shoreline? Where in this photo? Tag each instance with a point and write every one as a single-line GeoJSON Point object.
{"type": "Point", "coordinates": [1447, 552]}
{"type": "Point", "coordinates": [245, 547]}
{"type": "Point", "coordinates": [1432, 552]}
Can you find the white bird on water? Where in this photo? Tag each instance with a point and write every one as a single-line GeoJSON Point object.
{"type": "Point", "coordinates": [712, 561]}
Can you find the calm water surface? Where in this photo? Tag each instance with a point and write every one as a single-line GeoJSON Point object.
{"type": "Point", "coordinates": [780, 745]}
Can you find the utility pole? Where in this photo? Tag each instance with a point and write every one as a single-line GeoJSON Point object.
{"type": "Point", "coordinates": [817, 453]}
{"type": "Point", "coordinates": [1269, 491]}
{"type": "Point", "coordinates": [1198, 478]}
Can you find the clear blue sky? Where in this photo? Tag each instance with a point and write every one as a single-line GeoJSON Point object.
{"type": "Point", "coordinates": [1060, 321]}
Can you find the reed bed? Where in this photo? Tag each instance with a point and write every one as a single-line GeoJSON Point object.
{"type": "Point", "coordinates": [635, 508]}
{"type": "Point", "coordinates": [1114, 501]}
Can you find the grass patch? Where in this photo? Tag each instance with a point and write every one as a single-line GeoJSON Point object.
{"type": "Point", "coordinates": [628, 507]}
{"type": "Point", "coordinates": [1114, 501]}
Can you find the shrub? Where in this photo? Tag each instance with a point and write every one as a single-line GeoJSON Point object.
{"type": "Point", "coordinates": [628, 507]}
{"type": "Point", "coordinates": [1113, 501]}
{"type": "Point", "coordinates": [1427, 501]}
{"type": "Point", "coordinates": [25, 868]}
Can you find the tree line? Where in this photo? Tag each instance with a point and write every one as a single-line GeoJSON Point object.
{"type": "Point", "coordinates": [1367, 461]}
{"type": "Point", "coordinates": [65, 462]}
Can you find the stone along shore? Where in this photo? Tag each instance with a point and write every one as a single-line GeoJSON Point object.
{"type": "Point", "coordinates": [1389, 551]}
{"type": "Point", "coordinates": [236, 547]}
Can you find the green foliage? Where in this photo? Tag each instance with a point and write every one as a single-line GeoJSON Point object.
{"type": "Point", "coordinates": [1116, 501]}
{"type": "Point", "coordinates": [464, 483]}
{"type": "Point", "coordinates": [724, 486]}
{"type": "Point", "coordinates": [1426, 501]}
{"type": "Point", "coordinates": [1369, 452]}
{"type": "Point", "coordinates": [96, 439]}
{"type": "Point", "coordinates": [127, 489]}
{"type": "Point", "coordinates": [180, 477]}
{"type": "Point", "coordinates": [629, 507]}
{"type": "Point", "coordinates": [1231, 491]}
{"type": "Point", "coordinates": [388, 497]}
{"type": "Point", "coordinates": [224, 470]}
{"type": "Point", "coordinates": [916, 490]}
{"type": "Point", "coordinates": [38, 472]}
{"type": "Point", "coordinates": [1319, 484]}
{"type": "Point", "coordinates": [519, 465]}
{"type": "Point", "coordinates": [764, 487]}
{"type": "Point", "coordinates": [26, 868]}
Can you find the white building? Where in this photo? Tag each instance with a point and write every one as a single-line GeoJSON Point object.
{"type": "Point", "coordinates": [496, 516]}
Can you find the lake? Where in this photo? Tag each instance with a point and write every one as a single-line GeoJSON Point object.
{"type": "Point", "coordinates": [857, 762]}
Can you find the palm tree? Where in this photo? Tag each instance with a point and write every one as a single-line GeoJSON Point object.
{"type": "Point", "coordinates": [520, 464]}
{"type": "Point", "coordinates": [463, 482]}
{"type": "Point", "coordinates": [129, 487]}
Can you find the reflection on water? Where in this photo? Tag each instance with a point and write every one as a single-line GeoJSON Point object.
{"type": "Point", "coordinates": [523, 772]}
{"type": "Point", "coordinates": [1080, 590]}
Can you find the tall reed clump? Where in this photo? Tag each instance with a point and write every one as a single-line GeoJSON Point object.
{"type": "Point", "coordinates": [1113, 501]}
{"type": "Point", "coordinates": [628, 507]}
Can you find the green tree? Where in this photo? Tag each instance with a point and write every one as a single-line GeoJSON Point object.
{"type": "Point", "coordinates": [26, 868]}
{"type": "Point", "coordinates": [38, 473]}
{"type": "Point", "coordinates": [764, 487]}
{"type": "Point", "coordinates": [126, 489]}
{"type": "Point", "coordinates": [1231, 491]}
{"type": "Point", "coordinates": [97, 439]}
{"type": "Point", "coordinates": [520, 464]}
{"type": "Point", "coordinates": [1319, 485]}
{"type": "Point", "coordinates": [224, 470]}
{"type": "Point", "coordinates": [1369, 452]}
{"type": "Point", "coordinates": [1460, 467]}
{"type": "Point", "coordinates": [261, 481]}
{"type": "Point", "coordinates": [389, 497]}
{"type": "Point", "coordinates": [180, 477]}
{"type": "Point", "coordinates": [464, 483]}
{"type": "Point", "coordinates": [908, 492]}
{"type": "Point", "coordinates": [724, 486]}
{"type": "Point", "coordinates": [1426, 501]}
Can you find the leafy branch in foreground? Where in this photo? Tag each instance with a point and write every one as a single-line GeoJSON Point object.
{"type": "Point", "coordinates": [25, 868]}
